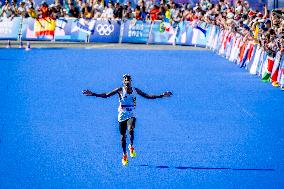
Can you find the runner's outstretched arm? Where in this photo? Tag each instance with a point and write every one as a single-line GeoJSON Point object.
{"type": "Point", "coordinates": [150, 96]}
{"type": "Point", "coordinates": [103, 95]}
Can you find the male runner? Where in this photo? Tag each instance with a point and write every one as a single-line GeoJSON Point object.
{"type": "Point", "coordinates": [126, 111]}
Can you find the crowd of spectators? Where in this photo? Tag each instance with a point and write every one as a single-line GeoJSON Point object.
{"type": "Point", "coordinates": [76, 9]}
{"type": "Point", "coordinates": [263, 28]}
{"type": "Point", "coordinates": [266, 28]}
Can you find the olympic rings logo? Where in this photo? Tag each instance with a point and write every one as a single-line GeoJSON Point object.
{"type": "Point", "coordinates": [104, 29]}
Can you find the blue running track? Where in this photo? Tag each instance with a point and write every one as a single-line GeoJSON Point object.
{"type": "Point", "coordinates": [222, 128]}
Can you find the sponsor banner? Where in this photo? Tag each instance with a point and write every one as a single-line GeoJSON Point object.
{"type": "Point", "coordinates": [136, 31]}
{"type": "Point", "coordinates": [38, 29]}
{"type": "Point", "coordinates": [162, 33]}
{"type": "Point", "coordinates": [9, 29]}
{"type": "Point", "coordinates": [256, 60]}
{"type": "Point", "coordinates": [28, 32]}
{"type": "Point", "coordinates": [67, 30]}
{"type": "Point", "coordinates": [106, 31]}
{"type": "Point", "coordinates": [184, 33]}
{"type": "Point", "coordinates": [199, 36]}
{"type": "Point", "coordinates": [86, 25]}
{"type": "Point", "coordinates": [211, 34]}
{"type": "Point", "coordinates": [262, 62]}
{"type": "Point", "coordinates": [189, 34]}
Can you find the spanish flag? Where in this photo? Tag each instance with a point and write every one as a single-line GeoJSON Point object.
{"type": "Point", "coordinates": [44, 27]}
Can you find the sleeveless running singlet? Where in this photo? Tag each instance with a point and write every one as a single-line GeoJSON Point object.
{"type": "Point", "coordinates": [127, 105]}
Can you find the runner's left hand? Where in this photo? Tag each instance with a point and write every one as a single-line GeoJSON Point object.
{"type": "Point", "coordinates": [167, 94]}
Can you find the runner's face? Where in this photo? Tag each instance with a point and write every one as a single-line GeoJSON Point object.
{"type": "Point", "coordinates": [127, 82]}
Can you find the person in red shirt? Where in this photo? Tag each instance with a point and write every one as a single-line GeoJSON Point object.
{"type": "Point", "coordinates": [43, 10]}
{"type": "Point", "coordinates": [154, 13]}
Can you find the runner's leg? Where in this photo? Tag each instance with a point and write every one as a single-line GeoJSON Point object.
{"type": "Point", "coordinates": [131, 125]}
{"type": "Point", "coordinates": [122, 130]}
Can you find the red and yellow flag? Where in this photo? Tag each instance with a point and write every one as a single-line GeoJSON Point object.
{"type": "Point", "coordinates": [44, 27]}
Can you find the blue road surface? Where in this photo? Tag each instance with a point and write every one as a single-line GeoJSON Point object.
{"type": "Point", "coordinates": [222, 128]}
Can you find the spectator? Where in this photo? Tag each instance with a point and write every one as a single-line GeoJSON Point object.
{"type": "Point", "coordinates": [66, 4]}
{"type": "Point", "coordinates": [162, 12]}
{"type": "Point", "coordinates": [87, 11]}
{"type": "Point", "coordinates": [117, 11]}
{"type": "Point", "coordinates": [149, 5]}
{"type": "Point", "coordinates": [154, 13]}
{"type": "Point", "coordinates": [73, 11]}
{"type": "Point", "coordinates": [58, 8]}
{"type": "Point", "coordinates": [6, 10]}
{"type": "Point", "coordinates": [22, 10]}
{"type": "Point", "coordinates": [108, 13]}
{"type": "Point", "coordinates": [14, 9]}
{"type": "Point", "coordinates": [267, 24]}
{"type": "Point", "coordinates": [29, 4]}
{"type": "Point", "coordinates": [79, 4]}
{"type": "Point", "coordinates": [32, 12]}
{"type": "Point", "coordinates": [137, 13]}
{"type": "Point", "coordinates": [43, 10]}
{"type": "Point", "coordinates": [143, 13]}
{"type": "Point", "coordinates": [98, 8]}
{"type": "Point", "coordinates": [167, 13]}
{"type": "Point", "coordinates": [127, 11]}
{"type": "Point", "coordinates": [239, 7]}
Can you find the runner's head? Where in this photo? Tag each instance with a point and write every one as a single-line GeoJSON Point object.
{"type": "Point", "coordinates": [127, 80]}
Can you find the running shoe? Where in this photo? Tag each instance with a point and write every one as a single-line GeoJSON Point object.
{"type": "Point", "coordinates": [132, 151]}
{"type": "Point", "coordinates": [124, 160]}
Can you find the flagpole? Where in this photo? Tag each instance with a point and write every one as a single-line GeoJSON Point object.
{"type": "Point", "coordinates": [151, 28]}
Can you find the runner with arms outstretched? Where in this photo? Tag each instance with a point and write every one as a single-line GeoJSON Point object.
{"type": "Point", "coordinates": [126, 110]}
